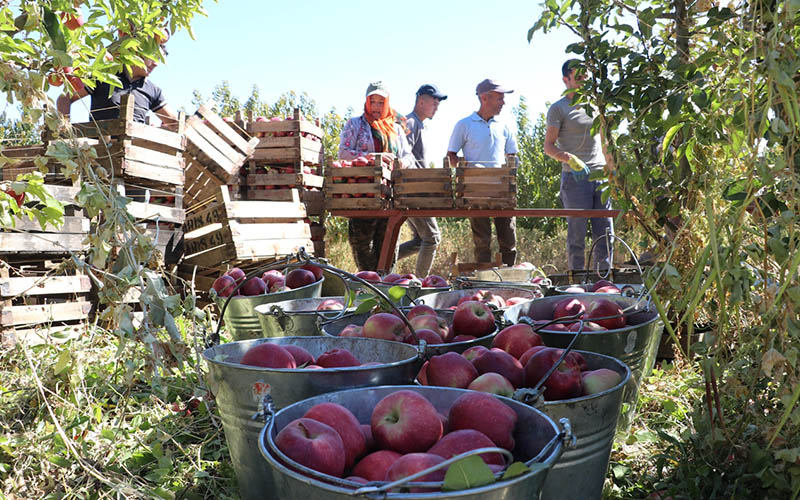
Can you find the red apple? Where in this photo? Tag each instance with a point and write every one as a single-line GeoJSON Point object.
{"type": "Point", "coordinates": [451, 370]}
{"type": "Point", "coordinates": [352, 331]}
{"type": "Point", "coordinates": [575, 289]}
{"type": "Point", "coordinates": [474, 351]}
{"type": "Point", "coordinates": [487, 414]}
{"type": "Point", "coordinates": [356, 479]}
{"type": "Point", "coordinates": [462, 338]}
{"type": "Point", "coordinates": [71, 21]}
{"type": "Point", "coordinates": [336, 358]}
{"type": "Point", "coordinates": [588, 326]}
{"type": "Point", "coordinates": [278, 286]}
{"type": "Point", "coordinates": [420, 310]}
{"type": "Point", "coordinates": [429, 336]}
{"type": "Point", "coordinates": [570, 306]}
{"type": "Point", "coordinates": [431, 322]}
{"type": "Point", "coordinates": [268, 355]}
{"type": "Point", "coordinates": [299, 277]}
{"type": "Point", "coordinates": [516, 339]}
{"type": "Point", "coordinates": [606, 313]}
{"type": "Point", "coordinates": [530, 352]}
{"type": "Point", "coordinates": [385, 326]}
{"type": "Point", "coordinates": [412, 463]}
{"type": "Point", "coordinates": [391, 278]}
{"type": "Point", "coordinates": [301, 356]}
{"type": "Point", "coordinates": [370, 276]}
{"type": "Point", "coordinates": [313, 444]}
{"type": "Point", "coordinates": [254, 286]}
{"type": "Point", "coordinates": [473, 318]}
{"type": "Point", "coordinates": [330, 305]}
{"type": "Point", "coordinates": [369, 443]}
{"type": "Point", "coordinates": [373, 467]}
{"type": "Point", "coordinates": [512, 301]}
{"type": "Point", "coordinates": [600, 284]}
{"type": "Point", "coordinates": [523, 265]}
{"type": "Point", "coordinates": [315, 270]}
{"type": "Point", "coordinates": [405, 422]}
{"type": "Point", "coordinates": [464, 440]}
{"type": "Point", "coordinates": [346, 424]}
{"type": "Point", "coordinates": [499, 361]}
{"type": "Point", "coordinates": [493, 383]}
{"type": "Point", "coordinates": [563, 383]}
{"type": "Point", "coordinates": [609, 289]}
{"type": "Point", "coordinates": [422, 375]}
{"type": "Point", "coordinates": [596, 381]}
{"type": "Point", "coordinates": [237, 274]}
{"type": "Point", "coordinates": [273, 276]}
{"type": "Point", "coordinates": [224, 285]}
{"type": "Point", "coordinates": [434, 281]}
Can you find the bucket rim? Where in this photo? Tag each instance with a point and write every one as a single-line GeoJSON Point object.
{"type": "Point", "coordinates": [220, 301]}
{"type": "Point", "coordinates": [620, 386]}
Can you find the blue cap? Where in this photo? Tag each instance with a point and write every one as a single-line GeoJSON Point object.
{"type": "Point", "coordinates": [431, 90]}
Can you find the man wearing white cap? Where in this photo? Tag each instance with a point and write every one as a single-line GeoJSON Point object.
{"type": "Point", "coordinates": [485, 141]}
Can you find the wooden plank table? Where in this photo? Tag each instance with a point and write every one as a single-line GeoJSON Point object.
{"type": "Point", "coordinates": [398, 216]}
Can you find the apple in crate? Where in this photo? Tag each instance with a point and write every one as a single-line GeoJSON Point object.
{"type": "Point", "coordinates": [451, 370]}
{"type": "Point", "coordinates": [434, 281]}
{"type": "Point", "coordinates": [254, 286]}
{"type": "Point", "coordinates": [406, 422]}
{"type": "Point", "coordinates": [563, 383]}
{"type": "Point", "coordinates": [268, 355]}
{"type": "Point", "coordinates": [373, 467]}
{"type": "Point", "coordinates": [370, 276]}
{"type": "Point", "coordinates": [337, 358]}
{"type": "Point", "coordinates": [493, 383]}
{"type": "Point", "coordinates": [464, 440]}
{"type": "Point", "coordinates": [311, 443]}
{"type": "Point", "coordinates": [224, 285]}
{"type": "Point", "coordinates": [516, 339]}
{"type": "Point", "coordinates": [299, 277]}
{"type": "Point", "coordinates": [346, 424]}
{"type": "Point", "coordinates": [385, 326]}
{"type": "Point", "coordinates": [485, 413]}
{"type": "Point", "coordinates": [473, 318]}
{"type": "Point", "coordinates": [596, 381]}
{"type": "Point", "coordinates": [499, 361]}
{"type": "Point", "coordinates": [330, 305]}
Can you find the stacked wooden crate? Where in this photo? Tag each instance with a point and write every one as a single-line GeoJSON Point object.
{"type": "Point", "coordinates": [287, 162]}
{"type": "Point", "coordinates": [38, 295]}
{"type": "Point", "coordinates": [361, 184]}
{"type": "Point", "coordinates": [421, 188]}
{"type": "Point", "coordinates": [216, 151]}
{"type": "Point", "coordinates": [486, 188]}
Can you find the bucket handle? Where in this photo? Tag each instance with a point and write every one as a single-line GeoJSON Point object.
{"type": "Point", "coordinates": [267, 411]}
{"type": "Point", "coordinates": [280, 314]}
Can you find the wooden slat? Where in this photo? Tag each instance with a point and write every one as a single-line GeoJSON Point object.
{"type": "Point", "coordinates": [418, 203]}
{"type": "Point", "coordinates": [72, 225]}
{"type": "Point", "coordinates": [152, 157]}
{"type": "Point", "coordinates": [485, 172]}
{"type": "Point", "coordinates": [250, 232]}
{"type": "Point", "coordinates": [45, 313]}
{"type": "Point", "coordinates": [223, 128]}
{"type": "Point", "coordinates": [380, 172]}
{"type": "Point", "coordinates": [216, 213]}
{"type": "Point", "coordinates": [275, 155]}
{"type": "Point", "coordinates": [356, 203]}
{"type": "Point", "coordinates": [351, 188]}
{"type": "Point", "coordinates": [155, 134]}
{"type": "Point", "coordinates": [276, 179]}
{"type": "Point", "coordinates": [272, 209]}
{"type": "Point", "coordinates": [432, 187]}
{"type": "Point", "coordinates": [51, 285]}
{"type": "Point", "coordinates": [212, 138]}
{"type": "Point", "coordinates": [151, 211]}
{"type": "Point", "coordinates": [220, 237]}
{"type": "Point", "coordinates": [100, 128]}
{"type": "Point", "coordinates": [158, 173]}
{"type": "Point", "coordinates": [422, 174]}
{"type": "Point", "coordinates": [285, 126]}
{"type": "Point", "coordinates": [64, 194]}
{"type": "Point", "coordinates": [41, 242]}
{"type": "Point", "coordinates": [292, 195]}
{"type": "Point", "coordinates": [210, 156]}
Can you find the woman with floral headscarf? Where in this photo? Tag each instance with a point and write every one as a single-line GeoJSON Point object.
{"type": "Point", "coordinates": [379, 130]}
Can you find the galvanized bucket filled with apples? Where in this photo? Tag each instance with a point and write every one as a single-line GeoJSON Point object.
{"type": "Point", "coordinates": [297, 317]}
{"type": "Point", "coordinates": [524, 275]}
{"type": "Point", "coordinates": [499, 298]}
{"type": "Point", "coordinates": [414, 287]}
{"type": "Point", "coordinates": [237, 295]}
{"type": "Point", "coordinates": [585, 387]}
{"type": "Point", "coordinates": [410, 442]}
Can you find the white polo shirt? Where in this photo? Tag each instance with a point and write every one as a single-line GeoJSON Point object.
{"type": "Point", "coordinates": [481, 141]}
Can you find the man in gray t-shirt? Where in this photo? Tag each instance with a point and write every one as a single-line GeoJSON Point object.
{"type": "Point", "coordinates": [426, 234]}
{"type": "Point", "coordinates": [568, 139]}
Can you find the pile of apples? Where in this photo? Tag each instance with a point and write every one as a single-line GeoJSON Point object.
{"type": "Point", "coordinates": [286, 133]}
{"type": "Point", "coordinates": [598, 315]}
{"type": "Point", "coordinates": [430, 281]}
{"type": "Point", "coordinates": [361, 161]}
{"type": "Point", "coordinates": [491, 299]}
{"type": "Point", "coordinates": [517, 359]}
{"type": "Point", "coordinates": [405, 435]}
{"type": "Point", "coordinates": [601, 286]}
{"type": "Point", "coordinates": [270, 282]}
{"type": "Point", "coordinates": [471, 320]}
{"type": "Point", "coordinates": [290, 356]}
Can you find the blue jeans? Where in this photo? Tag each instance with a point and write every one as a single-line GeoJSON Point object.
{"type": "Point", "coordinates": [426, 237]}
{"type": "Point", "coordinates": [585, 194]}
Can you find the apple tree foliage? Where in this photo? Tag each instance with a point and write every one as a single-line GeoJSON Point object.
{"type": "Point", "coordinates": [41, 45]}
{"type": "Point", "coordinates": [697, 102]}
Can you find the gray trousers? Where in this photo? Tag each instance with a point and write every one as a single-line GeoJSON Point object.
{"type": "Point", "coordinates": [585, 194]}
{"type": "Point", "coordinates": [425, 239]}
{"type": "Point", "coordinates": [506, 228]}
{"type": "Point", "coordinates": [366, 238]}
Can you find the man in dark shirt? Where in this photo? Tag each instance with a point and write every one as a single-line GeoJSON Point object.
{"type": "Point", "coordinates": [105, 101]}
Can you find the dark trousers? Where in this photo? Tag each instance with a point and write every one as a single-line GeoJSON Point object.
{"type": "Point", "coordinates": [506, 228]}
{"type": "Point", "coordinates": [366, 238]}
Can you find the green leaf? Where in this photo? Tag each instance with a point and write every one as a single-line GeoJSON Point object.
{"type": "Point", "coordinates": [63, 362]}
{"type": "Point", "coordinates": [467, 473]}
{"type": "Point", "coordinates": [396, 293]}
{"type": "Point", "coordinates": [366, 306]}
{"type": "Point", "coordinates": [516, 469]}
{"type": "Point", "coordinates": [53, 27]}
{"type": "Point", "coordinates": [668, 139]}
{"type": "Point", "coordinates": [60, 461]}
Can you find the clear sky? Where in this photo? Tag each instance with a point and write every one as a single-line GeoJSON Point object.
{"type": "Point", "coordinates": [333, 50]}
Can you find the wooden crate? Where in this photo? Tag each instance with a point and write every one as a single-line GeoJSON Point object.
{"type": "Point", "coordinates": [272, 185]}
{"type": "Point", "coordinates": [216, 147]}
{"type": "Point", "coordinates": [287, 141]}
{"type": "Point", "coordinates": [422, 188]}
{"type": "Point", "coordinates": [28, 237]}
{"type": "Point", "coordinates": [487, 188]}
{"type": "Point", "coordinates": [367, 188]}
{"type": "Point", "coordinates": [36, 300]}
{"type": "Point", "coordinates": [27, 159]}
{"type": "Point", "coordinates": [233, 231]}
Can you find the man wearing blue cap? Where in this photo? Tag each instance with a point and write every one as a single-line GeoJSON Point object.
{"type": "Point", "coordinates": [485, 141]}
{"type": "Point", "coordinates": [425, 230]}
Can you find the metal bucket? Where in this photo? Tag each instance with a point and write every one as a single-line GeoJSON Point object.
{"type": "Point", "coordinates": [412, 292]}
{"type": "Point", "coordinates": [448, 300]}
{"type": "Point", "coordinates": [239, 391]}
{"type": "Point", "coordinates": [533, 432]}
{"type": "Point", "coordinates": [241, 319]}
{"type": "Point", "coordinates": [626, 290]}
{"type": "Point", "coordinates": [295, 317]}
{"type": "Point", "coordinates": [333, 328]}
{"type": "Point", "coordinates": [581, 470]}
{"type": "Point", "coordinates": [635, 345]}
{"type": "Point", "coordinates": [505, 277]}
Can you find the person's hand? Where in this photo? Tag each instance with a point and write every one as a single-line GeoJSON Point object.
{"type": "Point", "coordinates": [579, 169]}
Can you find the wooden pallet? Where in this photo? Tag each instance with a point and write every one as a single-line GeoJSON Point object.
{"type": "Point", "coordinates": [36, 300]}
{"type": "Point", "coordinates": [28, 237]}
{"type": "Point", "coordinates": [422, 188]}
{"type": "Point", "coordinates": [487, 188]}
{"type": "Point", "coordinates": [233, 231]}
{"type": "Point", "coordinates": [287, 141]}
{"type": "Point", "coordinates": [216, 147]}
{"type": "Point", "coordinates": [360, 187]}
